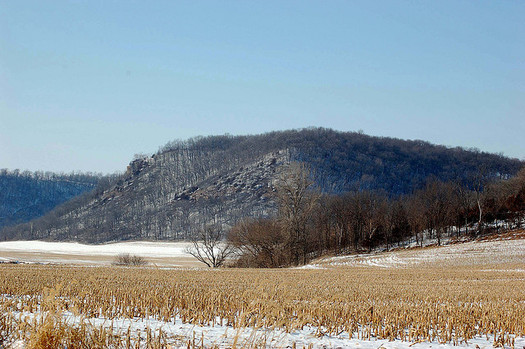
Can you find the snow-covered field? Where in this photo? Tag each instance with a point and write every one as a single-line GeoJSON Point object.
{"type": "Point", "coordinates": [475, 253]}
{"type": "Point", "coordinates": [159, 253]}
{"type": "Point", "coordinates": [491, 256]}
{"type": "Point", "coordinates": [178, 334]}
{"type": "Point", "coordinates": [173, 254]}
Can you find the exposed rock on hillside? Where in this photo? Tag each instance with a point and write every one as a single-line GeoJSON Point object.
{"type": "Point", "coordinates": [223, 178]}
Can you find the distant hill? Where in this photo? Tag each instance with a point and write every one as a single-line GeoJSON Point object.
{"type": "Point", "coordinates": [27, 195]}
{"type": "Point", "coordinates": [224, 178]}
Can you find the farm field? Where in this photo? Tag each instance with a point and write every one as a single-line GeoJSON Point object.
{"type": "Point", "coordinates": [413, 298]}
{"type": "Point", "coordinates": [163, 254]}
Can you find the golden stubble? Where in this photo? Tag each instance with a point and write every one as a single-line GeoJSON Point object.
{"type": "Point", "coordinates": [447, 305]}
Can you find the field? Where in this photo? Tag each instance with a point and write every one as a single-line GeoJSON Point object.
{"type": "Point", "coordinates": [163, 254]}
{"type": "Point", "coordinates": [492, 252]}
{"type": "Point", "coordinates": [467, 295]}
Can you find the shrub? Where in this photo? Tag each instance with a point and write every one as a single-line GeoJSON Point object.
{"type": "Point", "coordinates": [129, 259]}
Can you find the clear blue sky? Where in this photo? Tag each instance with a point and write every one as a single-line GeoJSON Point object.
{"type": "Point", "coordinates": [84, 85]}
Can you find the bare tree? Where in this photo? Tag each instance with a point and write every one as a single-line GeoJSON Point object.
{"type": "Point", "coordinates": [374, 209]}
{"type": "Point", "coordinates": [398, 227]}
{"type": "Point", "coordinates": [260, 243]}
{"type": "Point", "coordinates": [516, 200]}
{"type": "Point", "coordinates": [465, 200]}
{"type": "Point", "coordinates": [436, 199]}
{"type": "Point", "coordinates": [479, 184]}
{"type": "Point", "coordinates": [129, 260]}
{"type": "Point", "coordinates": [208, 247]}
{"type": "Point", "coordinates": [297, 202]}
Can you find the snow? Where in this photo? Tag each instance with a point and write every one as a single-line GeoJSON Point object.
{"type": "Point", "coordinates": [500, 253]}
{"type": "Point", "coordinates": [165, 253]}
{"type": "Point", "coordinates": [141, 248]}
{"type": "Point", "coordinates": [222, 336]}
{"type": "Point", "coordinates": [467, 253]}
{"type": "Point", "coordinates": [310, 266]}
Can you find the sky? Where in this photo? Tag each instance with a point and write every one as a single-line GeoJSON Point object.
{"type": "Point", "coordinates": [85, 85]}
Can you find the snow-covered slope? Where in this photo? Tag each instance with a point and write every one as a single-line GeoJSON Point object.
{"type": "Point", "coordinates": [508, 250]}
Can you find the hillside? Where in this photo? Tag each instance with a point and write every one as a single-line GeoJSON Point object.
{"type": "Point", "coordinates": [498, 252]}
{"type": "Point", "coordinates": [27, 195]}
{"type": "Point", "coordinates": [224, 178]}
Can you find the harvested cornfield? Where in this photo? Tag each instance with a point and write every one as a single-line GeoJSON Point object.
{"type": "Point", "coordinates": [412, 305]}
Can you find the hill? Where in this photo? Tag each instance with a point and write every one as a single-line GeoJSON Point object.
{"type": "Point", "coordinates": [27, 195]}
{"type": "Point", "coordinates": [221, 179]}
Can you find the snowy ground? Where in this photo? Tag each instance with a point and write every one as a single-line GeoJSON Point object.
{"type": "Point", "coordinates": [475, 253]}
{"type": "Point", "coordinates": [224, 336]}
{"type": "Point", "coordinates": [159, 253]}
{"type": "Point", "coordinates": [492, 255]}
{"type": "Point", "coordinates": [172, 254]}
{"type": "Point", "coordinates": [221, 336]}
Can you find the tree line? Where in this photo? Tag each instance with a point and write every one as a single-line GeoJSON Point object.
{"type": "Point", "coordinates": [310, 224]}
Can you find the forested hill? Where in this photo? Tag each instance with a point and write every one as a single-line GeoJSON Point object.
{"type": "Point", "coordinates": [224, 178]}
{"type": "Point", "coordinates": [27, 195]}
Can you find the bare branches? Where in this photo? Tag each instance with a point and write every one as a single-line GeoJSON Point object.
{"type": "Point", "coordinates": [129, 260]}
{"type": "Point", "coordinates": [260, 242]}
{"type": "Point", "coordinates": [208, 247]}
{"type": "Point", "coordinates": [297, 202]}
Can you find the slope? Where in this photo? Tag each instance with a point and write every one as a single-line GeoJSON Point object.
{"type": "Point", "coordinates": [221, 179]}
{"type": "Point", "coordinates": [27, 195]}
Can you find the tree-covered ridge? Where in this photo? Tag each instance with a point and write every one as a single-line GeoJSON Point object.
{"type": "Point", "coordinates": [26, 195]}
{"type": "Point", "coordinates": [344, 161]}
{"type": "Point", "coordinates": [222, 179]}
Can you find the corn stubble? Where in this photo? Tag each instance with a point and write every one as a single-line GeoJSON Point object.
{"type": "Point", "coordinates": [428, 304]}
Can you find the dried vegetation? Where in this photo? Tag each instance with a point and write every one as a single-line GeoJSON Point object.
{"type": "Point", "coordinates": [409, 304]}
{"type": "Point", "coordinates": [127, 259]}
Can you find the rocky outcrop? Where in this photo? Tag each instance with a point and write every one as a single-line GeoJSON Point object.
{"type": "Point", "coordinates": [222, 179]}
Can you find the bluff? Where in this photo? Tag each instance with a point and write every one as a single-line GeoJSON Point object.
{"type": "Point", "coordinates": [220, 179]}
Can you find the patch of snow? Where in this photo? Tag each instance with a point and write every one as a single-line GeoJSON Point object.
{"type": "Point", "coordinates": [140, 248]}
{"type": "Point", "coordinates": [223, 336]}
{"type": "Point", "coordinates": [310, 266]}
{"type": "Point", "coordinates": [468, 253]}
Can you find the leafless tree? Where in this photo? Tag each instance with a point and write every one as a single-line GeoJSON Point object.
{"type": "Point", "coordinates": [209, 248]}
{"type": "Point", "coordinates": [479, 182]}
{"type": "Point", "coordinates": [465, 200]}
{"type": "Point", "coordinates": [129, 260]}
{"type": "Point", "coordinates": [374, 209]}
{"type": "Point", "coordinates": [437, 199]}
{"type": "Point", "coordinates": [260, 243]}
{"type": "Point", "coordinates": [297, 201]}
{"type": "Point", "coordinates": [397, 224]}
{"type": "Point", "coordinates": [516, 200]}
